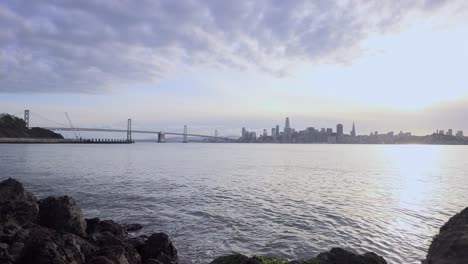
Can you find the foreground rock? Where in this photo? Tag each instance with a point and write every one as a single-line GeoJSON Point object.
{"type": "Point", "coordinates": [54, 231]}
{"type": "Point", "coordinates": [335, 256]}
{"type": "Point", "coordinates": [451, 245]}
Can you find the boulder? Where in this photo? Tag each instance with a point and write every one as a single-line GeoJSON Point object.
{"type": "Point", "coordinates": [95, 225]}
{"type": "Point", "coordinates": [160, 247]}
{"type": "Point", "coordinates": [450, 246]}
{"type": "Point", "coordinates": [334, 256]}
{"type": "Point", "coordinates": [343, 256]}
{"type": "Point", "coordinates": [48, 246]}
{"type": "Point", "coordinates": [62, 214]}
{"type": "Point", "coordinates": [17, 205]}
{"type": "Point", "coordinates": [114, 249]}
{"type": "Point", "coordinates": [133, 227]}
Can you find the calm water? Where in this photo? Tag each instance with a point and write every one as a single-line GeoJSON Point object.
{"type": "Point", "coordinates": [284, 200]}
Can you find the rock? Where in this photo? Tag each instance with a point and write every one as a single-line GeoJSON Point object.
{"type": "Point", "coordinates": [335, 256]}
{"type": "Point", "coordinates": [159, 245]}
{"type": "Point", "coordinates": [137, 242]}
{"type": "Point", "coordinates": [95, 225]}
{"type": "Point", "coordinates": [62, 214]}
{"type": "Point", "coordinates": [152, 261]}
{"type": "Point", "coordinates": [17, 205]}
{"type": "Point", "coordinates": [48, 246]}
{"type": "Point", "coordinates": [132, 227]}
{"type": "Point", "coordinates": [241, 259]}
{"type": "Point", "coordinates": [450, 246]}
{"type": "Point", "coordinates": [342, 256]}
{"type": "Point", "coordinates": [114, 249]}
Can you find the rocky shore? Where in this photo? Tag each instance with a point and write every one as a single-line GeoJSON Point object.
{"type": "Point", "coordinates": [53, 230]}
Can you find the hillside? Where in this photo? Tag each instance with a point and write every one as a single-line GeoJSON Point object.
{"type": "Point", "coordinates": [14, 127]}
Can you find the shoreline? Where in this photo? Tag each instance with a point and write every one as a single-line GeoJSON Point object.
{"type": "Point", "coordinates": [59, 141]}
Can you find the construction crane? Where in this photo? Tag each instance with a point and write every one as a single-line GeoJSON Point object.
{"type": "Point", "coordinates": [71, 126]}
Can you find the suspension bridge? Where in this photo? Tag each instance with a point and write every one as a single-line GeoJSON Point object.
{"type": "Point", "coordinates": [161, 135]}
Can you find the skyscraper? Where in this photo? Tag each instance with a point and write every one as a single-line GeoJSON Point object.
{"type": "Point", "coordinates": [277, 130]}
{"type": "Point", "coordinates": [353, 132]}
{"type": "Point", "coordinates": [339, 130]}
{"type": "Point", "coordinates": [287, 131]}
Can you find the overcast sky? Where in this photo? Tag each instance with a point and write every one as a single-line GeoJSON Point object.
{"type": "Point", "coordinates": [387, 65]}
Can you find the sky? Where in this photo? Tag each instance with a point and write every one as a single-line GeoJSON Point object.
{"type": "Point", "coordinates": [386, 65]}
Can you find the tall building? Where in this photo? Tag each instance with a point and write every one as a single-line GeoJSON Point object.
{"type": "Point", "coordinates": [287, 131]}
{"type": "Point", "coordinates": [353, 132]}
{"type": "Point", "coordinates": [450, 132]}
{"type": "Point", "coordinates": [339, 130]}
{"type": "Point", "coordinates": [273, 133]}
{"type": "Point", "coordinates": [277, 130]}
{"type": "Point", "coordinates": [244, 133]}
{"type": "Point", "coordinates": [265, 133]}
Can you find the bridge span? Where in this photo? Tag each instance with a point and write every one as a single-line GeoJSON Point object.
{"type": "Point", "coordinates": [129, 130]}
{"type": "Point", "coordinates": [161, 134]}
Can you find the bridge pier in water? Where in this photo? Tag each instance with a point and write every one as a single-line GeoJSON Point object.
{"type": "Point", "coordinates": [161, 137]}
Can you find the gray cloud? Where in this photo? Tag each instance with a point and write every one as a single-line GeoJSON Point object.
{"type": "Point", "coordinates": [94, 46]}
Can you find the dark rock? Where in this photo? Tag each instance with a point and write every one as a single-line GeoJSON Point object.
{"type": "Point", "coordinates": [241, 259]}
{"type": "Point", "coordinates": [48, 246]}
{"type": "Point", "coordinates": [133, 227]}
{"type": "Point", "coordinates": [99, 260]}
{"type": "Point", "coordinates": [62, 214]}
{"type": "Point", "coordinates": [152, 261]}
{"type": "Point", "coordinates": [17, 205]}
{"type": "Point", "coordinates": [114, 249]}
{"type": "Point", "coordinates": [157, 244]}
{"type": "Point", "coordinates": [95, 225]}
{"type": "Point", "coordinates": [342, 256]}
{"type": "Point", "coordinates": [451, 245]}
{"type": "Point", "coordinates": [137, 242]}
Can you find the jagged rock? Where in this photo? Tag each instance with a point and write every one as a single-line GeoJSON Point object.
{"type": "Point", "coordinates": [95, 225]}
{"type": "Point", "coordinates": [17, 205]}
{"type": "Point", "coordinates": [241, 259]}
{"type": "Point", "coordinates": [451, 245]}
{"type": "Point", "coordinates": [48, 246]}
{"type": "Point", "coordinates": [335, 256]}
{"type": "Point", "coordinates": [62, 214]}
{"type": "Point", "coordinates": [159, 246]}
{"type": "Point", "coordinates": [152, 261]}
{"type": "Point", "coordinates": [342, 256]}
{"type": "Point", "coordinates": [132, 227]}
{"type": "Point", "coordinates": [114, 249]}
{"type": "Point", "coordinates": [137, 242]}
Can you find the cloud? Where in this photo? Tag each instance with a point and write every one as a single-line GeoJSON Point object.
{"type": "Point", "coordinates": [96, 46]}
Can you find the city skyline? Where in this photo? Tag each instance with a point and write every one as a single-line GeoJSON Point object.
{"type": "Point", "coordinates": [338, 131]}
{"type": "Point", "coordinates": [399, 67]}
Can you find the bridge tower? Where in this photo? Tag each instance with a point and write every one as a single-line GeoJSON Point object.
{"type": "Point", "coordinates": [161, 137]}
{"type": "Point", "coordinates": [185, 134]}
{"type": "Point", "coordinates": [26, 118]}
{"type": "Point", "coordinates": [129, 130]}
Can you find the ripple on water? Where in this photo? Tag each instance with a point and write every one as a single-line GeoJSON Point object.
{"type": "Point", "coordinates": [292, 201]}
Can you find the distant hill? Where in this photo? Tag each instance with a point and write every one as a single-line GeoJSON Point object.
{"type": "Point", "coordinates": [14, 127]}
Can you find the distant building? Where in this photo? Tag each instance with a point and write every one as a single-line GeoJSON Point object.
{"type": "Point", "coordinates": [459, 134]}
{"type": "Point", "coordinates": [353, 131]}
{"type": "Point", "coordinates": [441, 132]}
{"type": "Point", "coordinates": [339, 130]}
{"type": "Point", "coordinates": [273, 133]}
{"type": "Point", "coordinates": [449, 132]}
{"type": "Point", "coordinates": [277, 131]}
{"type": "Point", "coordinates": [244, 133]}
{"type": "Point", "coordinates": [265, 133]}
{"type": "Point", "coordinates": [287, 131]}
